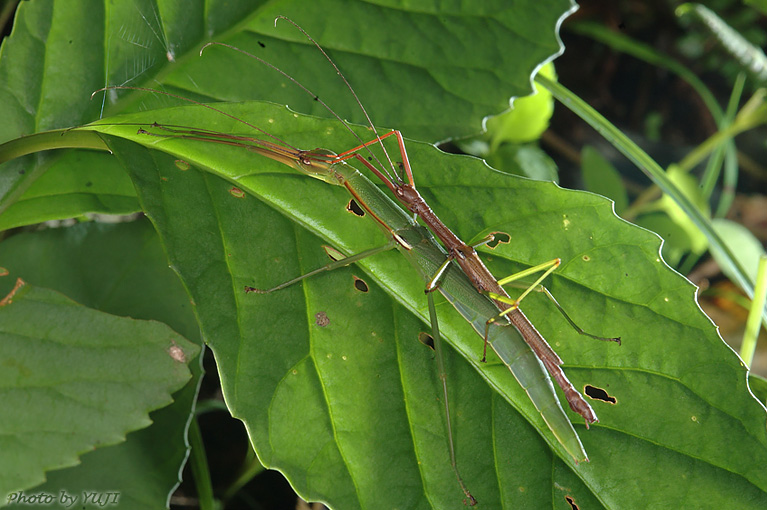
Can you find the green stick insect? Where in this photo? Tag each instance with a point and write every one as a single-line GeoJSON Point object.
{"type": "Point", "coordinates": [438, 270]}
{"type": "Point", "coordinates": [455, 270]}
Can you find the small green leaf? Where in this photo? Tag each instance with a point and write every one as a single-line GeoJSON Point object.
{"type": "Point", "coordinates": [83, 378]}
{"type": "Point", "coordinates": [117, 268]}
{"type": "Point", "coordinates": [689, 187]}
{"type": "Point", "coordinates": [528, 118]}
{"type": "Point", "coordinates": [744, 245]}
{"type": "Point", "coordinates": [526, 160]}
{"type": "Point", "coordinates": [761, 5]}
{"type": "Point", "coordinates": [676, 242]}
{"type": "Point", "coordinates": [74, 184]}
{"type": "Point", "coordinates": [759, 386]}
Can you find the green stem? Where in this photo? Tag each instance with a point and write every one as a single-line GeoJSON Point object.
{"type": "Point", "coordinates": [645, 163]}
{"type": "Point", "coordinates": [752, 114]}
{"type": "Point", "coordinates": [198, 463]}
{"type": "Point", "coordinates": [48, 140]}
{"type": "Point", "coordinates": [625, 44]}
{"type": "Point", "coordinates": [753, 324]}
{"type": "Point", "coordinates": [728, 154]}
{"type": "Point", "coordinates": [252, 468]}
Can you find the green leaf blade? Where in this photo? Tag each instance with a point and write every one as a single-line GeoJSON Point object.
{"type": "Point", "coordinates": [131, 370]}
{"type": "Point", "coordinates": [612, 281]}
{"type": "Point", "coordinates": [117, 268]}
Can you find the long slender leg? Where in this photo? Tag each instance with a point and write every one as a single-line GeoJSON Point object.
{"type": "Point", "coordinates": [546, 267]}
{"type": "Point", "coordinates": [354, 153]}
{"type": "Point", "coordinates": [535, 340]}
{"type": "Point", "coordinates": [470, 500]}
{"type": "Point", "coordinates": [347, 154]}
{"type": "Point", "coordinates": [549, 267]}
{"type": "Point", "coordinates": [573, 324]}
{"type": "Point", "coordinates": [329, 267]}
{"type": "Point", "coordinates": [434, 281]}
{"type": "Point", "coordinates": [443, 378]}
{"type": "Point", "coordinates": [431, 286]}
{"type": "Point", "coordinates": [403, 152]}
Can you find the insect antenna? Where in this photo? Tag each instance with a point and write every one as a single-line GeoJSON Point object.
{"type": "Point", "coordinates": [348, 86]}
{"type": "Point", "coordinates": [209, 107]}
{"type": "Point", "coordinates": [319, 99]}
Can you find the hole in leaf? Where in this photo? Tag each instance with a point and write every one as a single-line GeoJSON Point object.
{"type": "Point", "coordinates": [572, 503]}
{"type": "Point", "coordinates": [599, 394]}
{"type": "Point", "coordinates": [354, 208]}
{"type": "Point", "coordinates": [321, 319]}
{"type": "Point", "coordinates": [360, 285]}
{"type": "Point", "coordinates": [237, 193]}
{"type": "Point", "coordinates": [498, 239]}
{"type": "Point", "coordinates": [182, 165]}
{"type": "Point", "coordinates": [261, 44]}
{"type": "Point", "coordinates": [426, 339]}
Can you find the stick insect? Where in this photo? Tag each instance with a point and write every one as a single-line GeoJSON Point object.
{"type": "Point", "coordinates": [430, 259]}
{"type": "Point", "coordinates": [466, 255]}
{"type": "Point", "coordinates": [457, 273]}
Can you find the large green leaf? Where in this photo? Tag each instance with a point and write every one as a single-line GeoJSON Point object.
{"type": "Point", "coordinates": [350, 411]}
{"type": "Point", "coordinates": [457, 64]}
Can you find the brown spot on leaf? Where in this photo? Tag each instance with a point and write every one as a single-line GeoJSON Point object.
{"type": "Point", "coordinates": [321, 319]}
{"type": "Point", "coordinates": [177, 353]}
